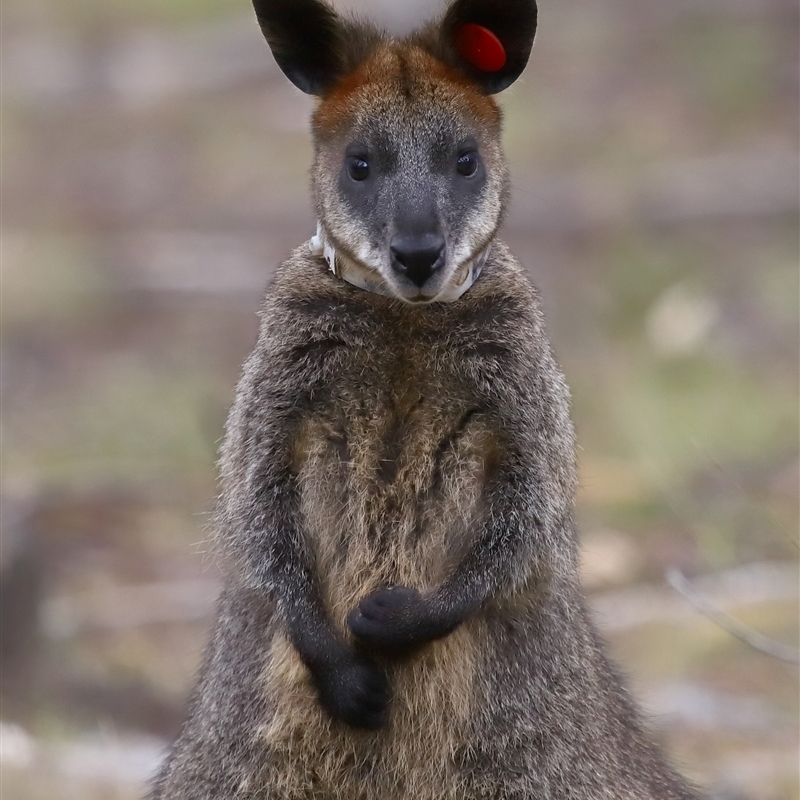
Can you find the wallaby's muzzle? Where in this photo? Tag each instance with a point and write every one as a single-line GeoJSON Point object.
{"type": "Point", "coordinates": [417, 257]}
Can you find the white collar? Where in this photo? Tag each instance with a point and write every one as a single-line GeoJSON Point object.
{"type": "Point", "coordinates": [369, 280]}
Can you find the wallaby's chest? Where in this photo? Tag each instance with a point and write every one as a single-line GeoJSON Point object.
{"type": "Point", "coordinates": [391, 462]}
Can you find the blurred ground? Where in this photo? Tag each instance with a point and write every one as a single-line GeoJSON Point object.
{"type": "Point", "coordinates": [154, 172]}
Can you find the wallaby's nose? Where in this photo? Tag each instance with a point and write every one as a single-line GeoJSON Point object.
{"type": "Point", "coordinates": [417, 256]}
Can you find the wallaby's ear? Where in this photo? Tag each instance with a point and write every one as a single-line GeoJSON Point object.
{"type": "Point", "coordinates": [490, 40]}
{"type": "Point", "coordinates": [306, 38]}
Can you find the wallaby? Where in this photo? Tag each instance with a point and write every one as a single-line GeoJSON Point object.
{"type": "Point", "coordinates": [402, 616]}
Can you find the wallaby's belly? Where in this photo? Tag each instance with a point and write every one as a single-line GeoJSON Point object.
{"type": "Point", "coordinates": [390, 495]}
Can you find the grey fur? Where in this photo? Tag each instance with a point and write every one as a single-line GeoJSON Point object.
{"type": "Point", "coordinates": [378, 443]}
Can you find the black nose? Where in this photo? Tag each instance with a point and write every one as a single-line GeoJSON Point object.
{"type": "Point", "coordinates": [417, 256]}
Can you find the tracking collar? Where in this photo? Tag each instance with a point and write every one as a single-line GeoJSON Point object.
{"type": "Point", "coordinates": [369, 280]}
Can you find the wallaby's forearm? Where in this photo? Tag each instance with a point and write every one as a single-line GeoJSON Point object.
{"type": "Point", "coordinates": [266, 532]}
{"type": "Point", "coordinates": [351, 688]}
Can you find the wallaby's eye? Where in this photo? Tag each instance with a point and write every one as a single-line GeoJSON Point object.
{"type": "Point", "coordinates": [357, 168]}
{"type": "Point", "coordinates": [467, 164]}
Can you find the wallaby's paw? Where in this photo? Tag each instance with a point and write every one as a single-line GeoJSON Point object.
{"type": "Point", "coordinates": [396, 619]}
{"type": "Point", "coordinates": [355, 691]}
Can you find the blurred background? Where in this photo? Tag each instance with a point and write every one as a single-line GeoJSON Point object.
{"type": "Point", "coordinates": [155, 171]}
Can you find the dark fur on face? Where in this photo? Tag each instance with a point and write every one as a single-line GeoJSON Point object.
{"type": "Point", "coordinates": [402, 619]}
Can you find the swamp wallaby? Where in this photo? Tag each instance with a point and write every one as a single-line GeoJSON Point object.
{"type": "Point", "coordinates": [402, 617]}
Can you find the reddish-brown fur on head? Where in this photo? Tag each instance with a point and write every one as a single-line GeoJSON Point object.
{"type": "Point", "coordinates": [396, 72]}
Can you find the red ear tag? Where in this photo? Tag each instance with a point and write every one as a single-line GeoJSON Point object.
{"type": "Point", "coordinates": [480, 47]}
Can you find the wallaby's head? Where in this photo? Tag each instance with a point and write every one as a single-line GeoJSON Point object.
{"type": "Point", "coordinates": [409, 178]}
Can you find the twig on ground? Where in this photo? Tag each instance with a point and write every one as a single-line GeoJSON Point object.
{"type": "Point", "coordinates": [678, 581]}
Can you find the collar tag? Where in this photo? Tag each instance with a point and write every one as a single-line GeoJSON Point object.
{"type": "Point", "coordinates": [320, 246]}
